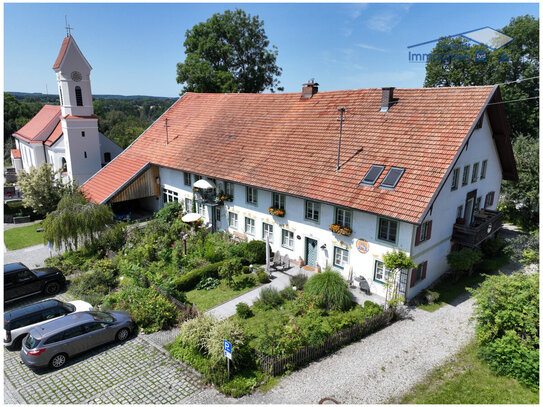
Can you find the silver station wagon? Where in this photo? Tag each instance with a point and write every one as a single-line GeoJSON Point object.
{"type": "Point", "coordinates": [56, 341]}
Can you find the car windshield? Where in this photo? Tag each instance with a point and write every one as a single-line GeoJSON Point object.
{"type": "Point", "coordinates": [102, 316]}
{"type": "Point", "coordinates": [31, 342]}
{"type": "Point", "coordinates": [68, 307]}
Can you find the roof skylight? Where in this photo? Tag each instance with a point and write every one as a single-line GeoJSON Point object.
{"type": "Point", "coordinates": [373, 173]}
{"type": "Point", "coordinates": [392, 178]}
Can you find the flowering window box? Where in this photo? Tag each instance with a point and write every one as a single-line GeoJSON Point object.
{"type": "Point", "coordinates": [226, 197]}
{"type": "Point", "coordinates": [276, 211]}
{"type": "Point", "coordinates": [341, 230]}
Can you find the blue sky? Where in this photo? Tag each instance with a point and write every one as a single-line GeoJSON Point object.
{"type": "Point", "coordinates": [134, 48]}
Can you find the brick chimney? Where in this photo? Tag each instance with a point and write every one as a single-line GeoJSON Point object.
{"type": "Point", "coordinates": [387, 99]}
{"type": "Point", "coordinates": [309, 89]}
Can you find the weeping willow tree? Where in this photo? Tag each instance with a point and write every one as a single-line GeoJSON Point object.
{"type": "Point", "coordinates": [76, 222]}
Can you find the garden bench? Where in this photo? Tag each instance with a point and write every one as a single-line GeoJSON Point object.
{"type": "Point", "coordinates": [276, 262]}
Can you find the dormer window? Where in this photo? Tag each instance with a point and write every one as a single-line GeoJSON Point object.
{"type": "Point", "coordinates": [392, 178]}
{"type": "Point", "coordinates": [78, 96]}
{"type": "Point", "coordinates": [372, 175]}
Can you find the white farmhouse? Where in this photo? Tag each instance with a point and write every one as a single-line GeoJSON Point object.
{"type": "Point", "coordinates": [333, 178]}
{"type": "Point", "coordinates": [66, 136]}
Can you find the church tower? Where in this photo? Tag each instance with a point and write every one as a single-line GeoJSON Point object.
{"type": "Point", "coordinates": [79, 124]}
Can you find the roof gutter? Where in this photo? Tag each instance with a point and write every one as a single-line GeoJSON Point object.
{"type": "Point", "coordinates": [457, 156]}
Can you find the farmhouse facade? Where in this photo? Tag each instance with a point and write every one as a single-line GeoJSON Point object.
{"type": "Point", "coordinates": [66, 136]}
{"type": "Point", "coordinates": [331, 178]}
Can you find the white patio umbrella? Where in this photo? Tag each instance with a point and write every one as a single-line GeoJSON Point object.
{"type": "Point", "coordinates": [191, 217]}
{"type": "Point", "coordinates": [204, 184]}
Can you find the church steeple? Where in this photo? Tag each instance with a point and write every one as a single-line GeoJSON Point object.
{"type": "Point", "coordinates": [73, 77]}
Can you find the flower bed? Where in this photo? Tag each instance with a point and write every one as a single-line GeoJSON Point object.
{"type": "Point", "coordinates": [341, 230]}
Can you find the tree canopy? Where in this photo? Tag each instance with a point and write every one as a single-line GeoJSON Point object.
{"type": "Point", "coordinates": [228, 53]}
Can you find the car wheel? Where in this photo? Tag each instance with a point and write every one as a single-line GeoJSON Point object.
{"type": "Point", "coordinates": [51, 288]}
{"type": "Point", "coordinates": [17, 343]}
{"type": "Point", "coordinates": [58, 361]}
{"type": "Point", "coordinates": [122, 335]}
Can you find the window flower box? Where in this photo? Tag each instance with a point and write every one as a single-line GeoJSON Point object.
{"type": "Point", "coordinates": [460, 221]}
{"type": "Point", "coordinates": [341, 230]}
{"type": "Point", "coordinates": [226, 197]}
{"type": "Point", "coordinates": [276, 211]}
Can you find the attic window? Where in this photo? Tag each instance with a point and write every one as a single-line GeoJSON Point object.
{"type": "Point", "coordinates": [372, 175]}
{"type": "Point", "coordinates": [392, 178]}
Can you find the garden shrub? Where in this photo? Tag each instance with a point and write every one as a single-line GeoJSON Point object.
{"type": "Point", "coordinates": [263, 278]}
{"type": "Point", "coordinates": [229, 269]}
{"type": "Point", "coordinates": [150, 310]}
{"type": "Point", "coordinates": [493, 247]}
{"type": "Point", "coordinates": [492, 264]}
{"type": "Point", "coordinates": [188, 281]}
{"type": "Point", "coordinates": [195, 332]}
{"type": "Point", "coordinates": [169, 212]}
{"type": "Point", "coordinates": [507, 316]}
{"type": "Point", "coordinates": [371, 309]}
{"type": "Point", "coordinates": [255, 252]}
{"type": "Point", "coordinates": [333, 289]}
{"type": "Point", "coordinates": [113, 238]}
{"type": "Point", "coordinates": [94, 285]}
{"type": "Point", "coordinates": [208, 283]}
{"type": "Point", "coordinates": [246, 270]}
{"type": "Point", "coordinates": [271, 297]}
{"type": "Point", "coordinates": [431, 296]}
{"type": "Point", "coordinates": [243, 281]}
{"type": "Point", "coordinates": [71, 262]}
{"type": "Point", "coordinates": [298, 281]}
{"type": "Point", "coordinates": [288, 293]}
{"type": "Point", "coordinates": [525, 248]}
{"type": "Point", "coordinates": [243, 310]}
{"type": "Point", "coordinates": [230, 330]}
{"type": "Point", "coordinates": [464, 259]}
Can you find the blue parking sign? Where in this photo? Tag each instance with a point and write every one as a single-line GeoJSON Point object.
{"type": "Point", "coordinates": [227, 349]}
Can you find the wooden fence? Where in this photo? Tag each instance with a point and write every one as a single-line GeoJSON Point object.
{"type": "Point", "coordinates": [188, 311]}
{"type": "Point", "coordinates": [277, 365]}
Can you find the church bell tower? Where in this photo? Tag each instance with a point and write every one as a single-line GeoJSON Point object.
{"type": "Point", "coordinates": [79, 124]}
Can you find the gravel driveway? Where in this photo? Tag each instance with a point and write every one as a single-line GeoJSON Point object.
{"type": "Point", "coordinates": [375, 369]}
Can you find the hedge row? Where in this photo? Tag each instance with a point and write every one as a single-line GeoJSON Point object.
{"type": "Point", "coordinates": [188, 281]}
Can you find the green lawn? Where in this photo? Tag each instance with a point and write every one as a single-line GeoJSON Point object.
{"type": "Point", "coordinates": [25, 236]}
{"type": "Point", "coordinates": [468, 380]}
{"type": "Point", "coordinates": [449, 290]}
{"type": "Point", "coordinates": [206, 299]}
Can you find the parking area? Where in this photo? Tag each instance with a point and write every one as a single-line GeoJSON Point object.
{"type": "Point", "coordinates": [133, 372]}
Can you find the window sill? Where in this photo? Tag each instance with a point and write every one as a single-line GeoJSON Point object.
{"type": "Point", "coordinates": [286, 247]}
{"type": "Point", "coordinates": [379, 281]}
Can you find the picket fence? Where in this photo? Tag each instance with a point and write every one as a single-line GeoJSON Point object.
{"type": "Point", "coordinates": [276, 365]}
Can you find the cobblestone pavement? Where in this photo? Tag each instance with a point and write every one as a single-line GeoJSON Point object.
{"type": "Point", "coordinates": [134, 372]}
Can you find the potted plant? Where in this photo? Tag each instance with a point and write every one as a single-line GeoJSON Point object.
{"type": "Point", "coordinates": [226, 197]}
{"type": "Point", "coordinates": [276, 211]}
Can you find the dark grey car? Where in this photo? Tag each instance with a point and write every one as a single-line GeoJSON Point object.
{"type": "Point", "coordinates": [56, 341]}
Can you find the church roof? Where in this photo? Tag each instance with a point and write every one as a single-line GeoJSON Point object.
{"type": "Point", "coordinates": [62, 51]}
{"type": "Point", "coordinates": [41, 126]}
{"type": "Point", "coordinates": [55, 135]}
{"type": "Point", "coordinates": [289, 144]}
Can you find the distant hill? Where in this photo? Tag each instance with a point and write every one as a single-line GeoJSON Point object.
{"type": "Point", "coordinates": [42, 96]}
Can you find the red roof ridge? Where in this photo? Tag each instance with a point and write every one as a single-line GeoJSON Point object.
{"type": "Point", "coordinates": [62, 52]}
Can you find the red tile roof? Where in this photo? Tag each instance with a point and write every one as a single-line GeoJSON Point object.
{"type": "Point", "coordinates": [287, 144]}
{"type": "Point", "coordinates": [62, 52]}
{"type": "Point", "coordinates": [33, 131]}
{"type": "Point", "coordinates": [55, 135]}
{"type": "Point", "coordinates": [15, 153]}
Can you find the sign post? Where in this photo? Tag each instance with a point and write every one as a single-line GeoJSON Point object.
{"type": "Point", "coordinates": [228, 354]}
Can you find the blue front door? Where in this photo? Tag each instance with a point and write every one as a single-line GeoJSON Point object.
{"type": "Point", "coordinates": [310, 252]}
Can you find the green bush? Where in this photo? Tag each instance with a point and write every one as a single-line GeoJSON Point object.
{"type": "Point", "coordinates": [493, 247]}
{"type": "Point", "coordinates": [243, 281]}
{"type": "Point", "coordinates": [195, 332]}
{"type": "Point", "coordinates": [298, 281]}
{"type": "Point", "coordinates": [188, 281]}
{"type": "Point", "coordinates": [169, 212]}
{"type": "Point", "coordinates": [288, 293]}
{"type": "Point", "coordinates": [94, 285]}
{"type": "Point", "coordinates": [256, 252]}
{"type": "Point", "coordinates": [431, 296]}
{"type": "Point", "coordinates": [507, 315]}
{"type": "Point", "coordinates": [71, 262]}
{"type": "Point", "coordinates": [243, 310]}
{"type": "Point", "coordinates": [246, 270]}
{"type": "Point", "coordinates": [150, 310]}
{"type": "Point", "coordinates": [229, 269]}
{"type": "Point", "coordinates": [208, 283]}
{"type": "Point", "coordinates": [464, 259]}
{"type": "Point", "coordinates": [333, 289]}
{"type": "Point", "coordinates": [270, 297]}
{"type": "Point", "coordinates": [492, 264]}
{"type": "Point", "coordinates": [263, 278]}
{"type": "Point", "coordinates": [525, 248]}
{"type": "Point", "coordinates": [371, 309]}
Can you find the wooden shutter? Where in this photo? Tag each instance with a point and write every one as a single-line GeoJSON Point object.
{"type": "Point", "coordinates": [417, 238]}
{"type": "Point", "coordinates": [429, 231]}
{"type": "Point", "coordinates": [424, 265]}
{"type": "Point", "coordinates": [413, 277]}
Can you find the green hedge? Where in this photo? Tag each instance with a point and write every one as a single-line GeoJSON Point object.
{"type": "Point", "coordinates": [188, 281]}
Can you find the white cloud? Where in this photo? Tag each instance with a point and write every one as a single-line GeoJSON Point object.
{"type": "Point", "coordinates": [388, 18]}
{"type": "Point", "coordinates": [371, 47]}
{"type": "Point", "coordinates": [356, 10]}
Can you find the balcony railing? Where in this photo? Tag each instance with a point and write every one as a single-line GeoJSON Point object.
{"type": "Point", "coordinates": [207, 196]}
{"type": "Point", "coordinates": [485, 224]}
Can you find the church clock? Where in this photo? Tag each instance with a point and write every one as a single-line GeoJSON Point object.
{"type": "Point", "coordinates": [76, 76]}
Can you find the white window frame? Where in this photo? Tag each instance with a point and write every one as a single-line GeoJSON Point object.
{"type": "Point", "coordinates": [169, 195]}
{"type": "Point", "coordinates": [385, 273]}
{"type": "Point", "coordinates": [250, 226]}
{"type": "Point", "coordinates": [315, 209]}
{"type": "Point", "coordinates": [200, 208]}
{"type": "Point", "coordinates": [233, 220]}
{"type": "Point", "coordinates": [346, 218]}
{"type": "Point", "coordinates": [424, 231]}
{"type": "Point", "coordinates": [251, 195]}
{"type": "Point", "coordinates": [267, 232]}
{"type": "Point", "coordinates": [483, 169]}
{"type": "Point", "coordinates": [341, 257]}
{"type": "Point", "coordinates": [379, 219]}
{"type": "Point", "coordinates": [188, 205]}
{"type": "Point", "coordinates": [465, 175]}
{"type": "Point", "coordinates": [287, 239]}
{"type": "Point", "coordinates": [475, 173]}
{"type": "Point", "coordinates": [278, 200]}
